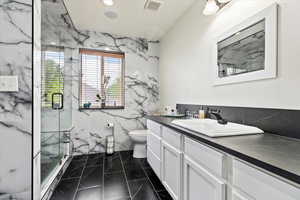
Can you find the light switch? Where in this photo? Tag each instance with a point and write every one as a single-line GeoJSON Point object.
{"type": "Point", "coordinates": [9, 84]}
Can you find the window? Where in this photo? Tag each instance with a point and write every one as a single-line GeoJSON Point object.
{"type": "Point", "coordinates": [102, 80]}
{"type": "Point", "coordinates": [52, 74]}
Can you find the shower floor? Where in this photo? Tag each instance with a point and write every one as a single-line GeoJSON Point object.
{"type": "Point", "coordinates": [117, 177]}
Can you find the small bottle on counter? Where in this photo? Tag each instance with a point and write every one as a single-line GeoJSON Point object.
{"type": "Point", "coordinates": [201, 113]}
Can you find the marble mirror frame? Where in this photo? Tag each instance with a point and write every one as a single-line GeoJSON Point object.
{"type": "Point", "coordinates": [269, 15]}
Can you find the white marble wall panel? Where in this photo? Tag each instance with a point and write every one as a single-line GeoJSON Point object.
{"type": "Point", "coordinates": [16, 107]}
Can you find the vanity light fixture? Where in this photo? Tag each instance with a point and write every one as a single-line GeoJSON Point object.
{"type": "Point", "coordinates": [108, 2]}
{"type": "Point", "coordinates": [211, 7]}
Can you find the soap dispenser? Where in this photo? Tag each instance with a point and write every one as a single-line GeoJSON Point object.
{"type": "Point", "coordinates": [201, 113]}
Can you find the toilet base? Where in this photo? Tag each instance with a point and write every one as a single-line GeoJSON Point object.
{"type": "Point", "coordinates": [139, 151]}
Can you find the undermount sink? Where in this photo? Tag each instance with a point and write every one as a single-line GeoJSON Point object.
{"type": "Point", "coordinates": [212, 128]}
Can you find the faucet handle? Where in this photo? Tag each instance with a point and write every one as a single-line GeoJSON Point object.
{"type": "Point", "coordinates": [207, 109]}
{"type": "Point", "coordinates": [214, 110]}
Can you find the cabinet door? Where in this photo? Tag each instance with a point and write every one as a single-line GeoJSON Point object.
{"type": "Point", "coordinates": [154, 162]}
{"type": "Point", "coordinates": [261, 186]}
{"type": "Point", "coordinates": [154, 127]}
{"type": "Point", "coordinates": [171, 169]}
{"type": "Point", "coordinates": [201, 184]}
{"type": "Point", "coordinates": [154, 143]}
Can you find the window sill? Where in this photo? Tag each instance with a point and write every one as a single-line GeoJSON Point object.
{"type": "Point", "coordinates": [105, 108]}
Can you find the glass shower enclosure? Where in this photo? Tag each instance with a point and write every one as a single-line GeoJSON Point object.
{"type": "Point", "coordinates": [59, 57]}
{"type": "Point", "coordinates": [56, 112]}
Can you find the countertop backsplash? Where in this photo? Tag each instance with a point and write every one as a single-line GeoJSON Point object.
{"type": "Point", "coordinates": [276, 121]}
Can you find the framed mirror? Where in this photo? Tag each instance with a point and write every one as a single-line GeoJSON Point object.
{"type": "Point", "coordinates": [248, 51]}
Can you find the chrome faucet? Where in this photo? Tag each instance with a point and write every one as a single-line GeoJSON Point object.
{"type": "Point", "coordinates": [217, 115]}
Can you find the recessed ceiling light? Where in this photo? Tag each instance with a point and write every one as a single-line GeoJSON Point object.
{"type": "Point", "coordinates": [108, 2]}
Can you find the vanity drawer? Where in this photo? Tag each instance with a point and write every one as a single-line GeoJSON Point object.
{"type": "Point", "coordinates": [154, 162]}
{"type": "Point", "coordinates": [204, 156]}
{"type": "Point", "coordinates": [260, 185]}
{"type": "Point", "coordinates": [154, 127]}
{"type": "Point", "coordinates": [171, 137]}
{"type": "Point", "coordinates": [154, 143]}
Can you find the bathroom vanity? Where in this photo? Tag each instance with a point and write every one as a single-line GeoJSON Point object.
{"type": "Point", "coordinates": [193, 166]}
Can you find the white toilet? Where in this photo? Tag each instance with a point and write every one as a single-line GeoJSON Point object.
{"type": "Point", "coordinates": [139, 139]}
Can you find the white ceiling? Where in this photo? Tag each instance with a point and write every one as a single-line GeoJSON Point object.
{"type": "Point", "coordinates": [133, 19]}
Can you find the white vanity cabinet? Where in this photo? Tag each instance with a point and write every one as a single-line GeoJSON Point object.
{"type": "Point", "coordinates": [200, 183]}
{"type": "Point", "coordinates": [202, 172]}
{"type": "Point", "coordinates": [154, 146]}
{"type": "Point", "coordinates": [259, 185]}
{"type": "Point", "coordinates": [172, 162]}
{"type": "Point", "coordinates": [164, 154]}
{"type": "Point", "coordinates": [171, 170]}
{"type": "Point", "coordinates": [191, 170]}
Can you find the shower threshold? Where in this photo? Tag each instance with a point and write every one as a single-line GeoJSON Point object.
{"type": "Point", "coordinates": [45, 187]}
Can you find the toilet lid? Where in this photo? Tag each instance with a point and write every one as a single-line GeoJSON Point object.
{"type": "Point", "coordinates": [139, 132]}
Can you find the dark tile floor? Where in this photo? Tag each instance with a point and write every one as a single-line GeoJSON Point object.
{"type": "Point", "coordinates": [117, 177]}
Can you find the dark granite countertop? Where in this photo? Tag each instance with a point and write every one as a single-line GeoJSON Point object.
{"type": "Point", "coordinates": [277, 154]}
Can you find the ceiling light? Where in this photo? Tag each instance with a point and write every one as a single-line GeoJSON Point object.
{"type": "Point", "coordinates": [223, 1]}
{"type": "Point", "coordinates": [211, 7]}
{"type": "Point", "coordinates": [108, 2]}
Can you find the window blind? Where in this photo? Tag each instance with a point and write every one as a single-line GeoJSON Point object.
{"type": "Point", "coordinates": [102, 79]}
{"type": "Point", "coordinates": [52, 73]}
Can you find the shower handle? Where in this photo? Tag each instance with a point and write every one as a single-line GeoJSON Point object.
{"type": "Point", "coordinates": [54, 106]}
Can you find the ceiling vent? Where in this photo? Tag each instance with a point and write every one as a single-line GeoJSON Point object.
{"type": "Point", "coordinates": [153, 4]}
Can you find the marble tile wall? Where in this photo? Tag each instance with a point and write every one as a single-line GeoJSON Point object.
{"type": "Point", "coordinates": [16, 107]}
{"type": "Point", "coordinates": [88, 129]}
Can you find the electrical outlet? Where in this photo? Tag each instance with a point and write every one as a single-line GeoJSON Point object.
{"type": "Point", "coordinates": [9, 84]}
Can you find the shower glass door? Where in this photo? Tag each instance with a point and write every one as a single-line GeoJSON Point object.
{"type": "Point", "coordinates": [55, 113]}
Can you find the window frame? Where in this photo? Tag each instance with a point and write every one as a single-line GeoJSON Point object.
{"type": "Point", "coordinates": [103, 52]}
